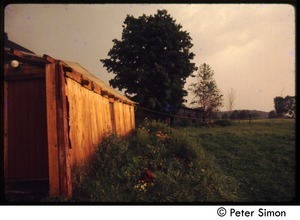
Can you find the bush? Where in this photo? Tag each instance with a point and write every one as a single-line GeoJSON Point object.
{"type": "Point", "coordinates": [156, 164]}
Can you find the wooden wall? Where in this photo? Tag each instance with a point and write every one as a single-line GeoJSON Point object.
{"type": "Point", "coordinates": [90, 119]}
{"type": "Point", "coordinates": [59, 115]}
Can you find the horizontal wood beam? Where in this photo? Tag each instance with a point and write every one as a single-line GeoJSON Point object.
{"type": "Point", "coordinates": [96, 88]}
{"type": "Point", "coordinates": [48, 58]}
{"type": "Point", "coordinates": [104, 92]}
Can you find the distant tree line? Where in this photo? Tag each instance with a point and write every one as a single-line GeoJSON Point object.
{"type": "Point", "coordinates": [284, 107]}
{"type": "Point", "coordinates": [240, 114]}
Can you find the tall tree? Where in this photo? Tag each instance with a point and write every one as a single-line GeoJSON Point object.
{"type": "Point", "coordinates": [152, 61]}
{"type": "Point", "coordinates": [206, 93]}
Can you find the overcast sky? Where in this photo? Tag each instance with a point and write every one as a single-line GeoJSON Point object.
{"type": "Point", "coordinates": [251, 47]}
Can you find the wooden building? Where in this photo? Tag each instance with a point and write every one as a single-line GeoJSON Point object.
{"type": "Point", "coordinates": [188, 115]}
{"type": "Point", "coordinates": [55, 112]}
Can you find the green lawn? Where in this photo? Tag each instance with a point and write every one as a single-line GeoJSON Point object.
{"type": "Point", "coordinates": [260, 156]}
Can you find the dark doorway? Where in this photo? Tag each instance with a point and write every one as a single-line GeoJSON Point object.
{"type": "Point", "coordinates": [27, 152]}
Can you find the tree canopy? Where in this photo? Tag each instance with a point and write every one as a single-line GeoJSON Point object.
{"type": "Point", "coordinates": [152, 61]}
{"type": "Point", "coordinates": [206, 93]}
{"type": "Point", "coordinates": [285, 105]}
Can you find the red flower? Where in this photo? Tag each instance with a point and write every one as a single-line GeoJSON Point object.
{"type": "Point", "coordinates": [147, 175]}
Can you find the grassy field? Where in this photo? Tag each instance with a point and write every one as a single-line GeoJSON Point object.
{"type": "Point", "coordinates": [238, 163]}
{"type": "Point", "coordinates": [260, 156]}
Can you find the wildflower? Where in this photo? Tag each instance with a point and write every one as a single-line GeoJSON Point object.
{"type": "Point", "coordinates": [146, 180]}
{"type": "Point", "coordinates": [141, 187]}
{"type": "Point", "coordinates": [147, 175]}
{"type": "Point", "coordinates": [161, 136]}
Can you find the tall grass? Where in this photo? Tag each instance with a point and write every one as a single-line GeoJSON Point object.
{"type": "Point", "coordinates": [238, 163]}
{"type": "Point", "coordinates": [157, 164]}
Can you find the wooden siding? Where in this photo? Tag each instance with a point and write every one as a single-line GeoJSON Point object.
{"type": "Point", "coordinates": [90, 119]}
{"type": "Point", "coordinates": [120, 129]}
{"type": "Point", "coordinates": [132, 117]}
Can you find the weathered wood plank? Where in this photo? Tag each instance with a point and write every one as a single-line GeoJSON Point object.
{"type": "Point", "coordinates": [48, 58]}
{"type": "Point", "coordinates": [86, 82]}
{"type": "Point", "coordinates": [74, 75]}
{"type": "Point", "coordinates": [104, 92]}
{"type": "Point", "coordinates": [17, 53]}
{"type": "Point", "coordinates": [63, 138]}
{"type": "Point", "coordinates": [121, 114]}
{"type": "Point", "coordinates": [52, 130]}
{"type": "Point", "coordinates": [132, 118]}
{"type": "Point", "coordinates": [96, 88]}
